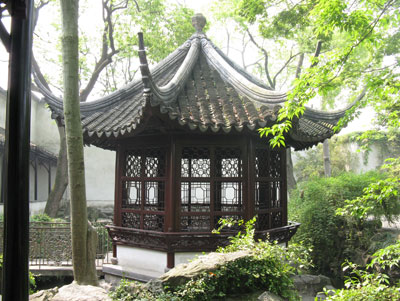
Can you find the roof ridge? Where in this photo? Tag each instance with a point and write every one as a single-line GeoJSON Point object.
{"type": "Point", "coordinates": [169, 92]}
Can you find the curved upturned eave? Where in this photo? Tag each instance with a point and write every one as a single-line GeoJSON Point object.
{"type": "Point", "coordinates": [239, 68]}
{"type": "Point", "coordinates": [171, 90]}
{"type": "Point", "coordinates": [330, 116]}
{"type": "Point", "coordinates": [333, 115]}
{"type": "Point", "coordinates": [242, 84]}
{"type": "Point", "coordinates": [87, 108]}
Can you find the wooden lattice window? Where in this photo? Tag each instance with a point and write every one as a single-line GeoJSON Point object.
{"type": "Point", "coordinates": [268, 188]}
{"type": "Point", "coordinates": [211, 186]}
{"type": "Point", "coordinates": [143, 189]}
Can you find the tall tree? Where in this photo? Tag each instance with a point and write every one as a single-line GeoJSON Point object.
{"type": "Point", "coordinates": [115, 63]}
{"type": "Point", "coordinates": [275, 65]}
{"type": "Point", "coordinates": [363, 64]}
{"type": "Point", "coordinates": [358, 35]}
{"type": "Point", "coordinates": [83, 237]}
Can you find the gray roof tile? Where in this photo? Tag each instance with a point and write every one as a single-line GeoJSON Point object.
{"type": "Point", "coordinates": [201, 88]}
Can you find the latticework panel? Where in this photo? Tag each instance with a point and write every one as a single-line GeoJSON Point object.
{"type": "Point", "coordinates": [147, 162]}
{"type": "Point", "coordinates": [275, 164]}
{"type": "Point", "coordinates": [228, 162]}
{"type": "Point", "coordinates": [195, 223]}
{"type": "Point", "coordinates": [133, 163]}
{"type": "Point", "coordinates": [268, 164]}
{"type": "Point", "coordinates": [195, 196]}
{"type": "Point", "coordinates": [131, 194]}
{"type": "Point", "coordinates": [262, 163]}
{"type": "Point", "coordinates": [268, 195]}
{"type": "Point", "coordinates": [262, 195]}
{"type": "Point", "coordinates": [262, 222]}
{"type": "Point", "coordinates": [229, 196]}
{"type": "Point", "coordinates": [276, 219]}
{"type": "Point", "coordinates": [276, 192]}
{"type": "Point", "coordinates": [155, 164]}
{"type": "Point", "coordinates": [195, 162]}
{"type": "Point", "coordinates": [143, 188]}
{"type": "Point", "coordinates": [153, 222]}
{"type": "Point", "coordinates": [154, 196]}
{"type": "Point", "coordinates": [130, 220]}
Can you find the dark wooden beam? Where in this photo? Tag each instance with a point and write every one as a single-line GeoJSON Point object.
{"type": "Point", "coordinates": [5, 37]}
{"type": "Point", "coordinates": [16, 189]}
{"type": "Point", "coordinates": [35, 166]}
{"type": "Point", "coordinates": [49, 172]}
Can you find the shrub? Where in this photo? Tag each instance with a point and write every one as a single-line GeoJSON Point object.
{"type": "Point", "coordinates": [331, 237]}
{"type": "Point", "coordinates": [44, 218]}
{"type": "Point", "coordinates": [133, 290]}
{"type": "Point", "coordinates": [372, 282]}
{"type": "Point", "coordinates": [268, 267]}
{"type": "Point", "coordinates": [367, 293]}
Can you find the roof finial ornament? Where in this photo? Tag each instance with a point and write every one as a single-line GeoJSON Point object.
{"type": "Point", "coordinates": [198, 22]}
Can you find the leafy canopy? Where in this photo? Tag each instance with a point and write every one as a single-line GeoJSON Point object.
{"type": "Point", "coordinates": [359, 58]}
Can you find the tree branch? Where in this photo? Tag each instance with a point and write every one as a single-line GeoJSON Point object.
{"type": "Point", "coordinates": [317, 53]}
{"type": "Point", "coordinates": [271, 83]}
{"type": "Point", "coordinates": [108, 42]}
{"type": "Point", "coordinates": [227, 40]}
{"type": "Point", "coordinates": [299, 65]}
{"type": "Point", "coordinates": [39, 73]}
{"type": "Point", "coordinates": [373, 24]}
{"type": "Point", "coordinates": [291, 57]}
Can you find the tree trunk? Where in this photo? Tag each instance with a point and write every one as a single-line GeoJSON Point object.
{"type": "Point", "coordinates": [291, 181]}
{"type": "Point", "coordinates": [84, 271]}
{"type": "Point", "coordinates": [61, 179]}
{"type": "Point", "coordinates": [327, 159]}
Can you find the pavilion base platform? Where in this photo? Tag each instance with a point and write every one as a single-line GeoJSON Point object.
{"type": "Point", "coordinates": [144, 255]}
{"type": "Point", "coordinates": [142, 264]}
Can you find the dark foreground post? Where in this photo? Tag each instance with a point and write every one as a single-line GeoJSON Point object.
{"type": "Point", "coordinates": [16, 189]}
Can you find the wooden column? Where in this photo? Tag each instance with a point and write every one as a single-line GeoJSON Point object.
{"type": "Point", "coordinates": [250, 202]}
{"type": "Point", "coordinates": [118, 190]}
{"type": "Point", "coordinates": [35, 167]}
{"type": "Point", "coordinates": [171, 201]}
{"type": "Point", "coordinates": [16, 163]}
{"type": "Point", "coordinates": [284, 190]}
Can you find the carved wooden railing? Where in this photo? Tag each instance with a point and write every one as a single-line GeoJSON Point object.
{"type": "Point", "coordinates": [50, 244]}
{"type": "Point", "coordinates": [189, 242]}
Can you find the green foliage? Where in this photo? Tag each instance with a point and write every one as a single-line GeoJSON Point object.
{"type": "Point", "coordinates": [357, 37]}
{"type": "Point", "coordinates": [32, 282]}
{"type": "Point", "coordinates": [165, 26]}
{"type": "Point", "coordinates": [132, 290]}
{"type": "Point", "coordinates": [380, 198]}
{"type": "Point", "coordinates": [372, 292]}
{"type": "Point", "coordinates": [41, 217]}
{"type": "Point", "coordinates": [388, 257]}
{"type": "Point", "coordinates": [387, 141]}
{"type": "Point", "coordinates": [44, 218]}
{"type": "Point", "coordinates": [268, 266]}
{"type": "Point", "coordinates": [372, 284]}
{"type": "Point", "coordinates": [309, 164]}
{"type": "Point", "coordinates": [332, 238]}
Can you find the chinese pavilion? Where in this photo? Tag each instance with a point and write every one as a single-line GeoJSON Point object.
{"type": "Point", "coordinates": [188, 153]}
